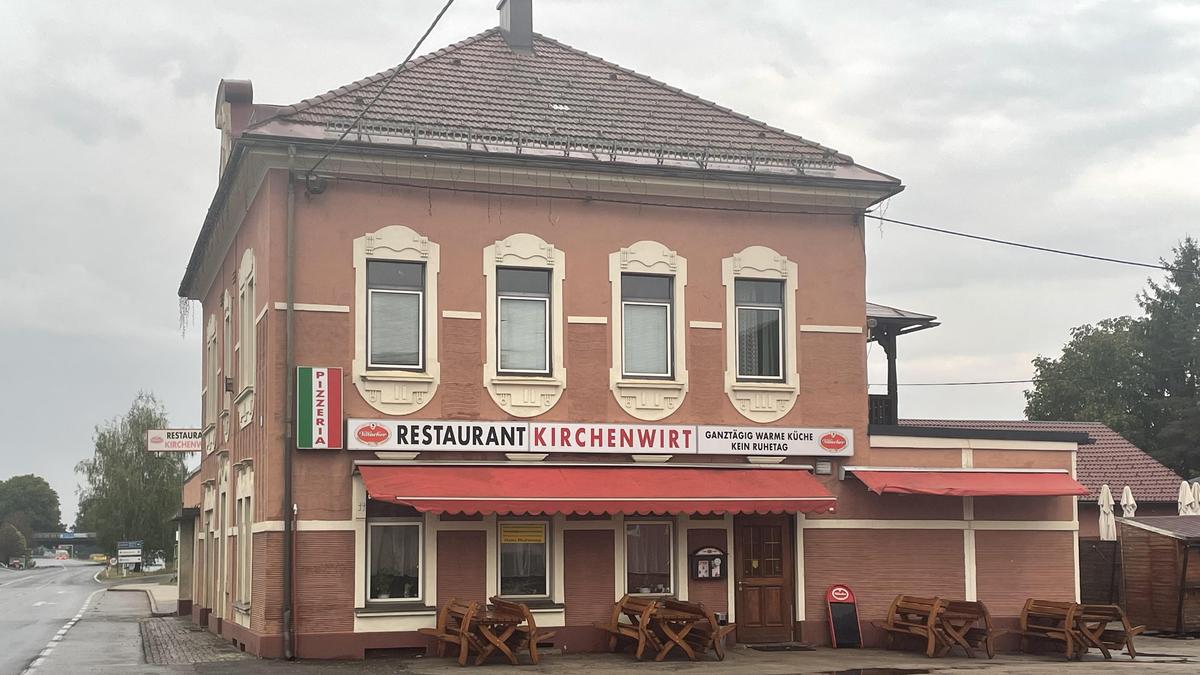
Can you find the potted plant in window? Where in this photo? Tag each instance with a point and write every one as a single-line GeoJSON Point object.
{"type": "Point", "coordinates": [381, 585]}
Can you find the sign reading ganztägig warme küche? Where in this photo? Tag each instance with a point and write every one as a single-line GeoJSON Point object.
{"type": "Point", "coordinates": [174, 440]}
{"type": "Point", "coordinates": [786, 441]}
{"type": "Point", "coordinates": [415, 435]}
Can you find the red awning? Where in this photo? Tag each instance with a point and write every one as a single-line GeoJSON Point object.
{"type": "Point", "coordinates": [971, 483]}
{"type": "Point", "coordinates": [596, 489]}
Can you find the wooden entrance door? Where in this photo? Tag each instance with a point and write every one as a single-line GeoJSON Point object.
{"type": "Point", "coordinates": [763, 572]}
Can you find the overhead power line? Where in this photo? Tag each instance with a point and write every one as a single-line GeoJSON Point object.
{"type": "Point", "coordinates": [953, 384]}
{"type": "Point", "coordinates": [1044, 249]}
{"type": "Point", "coordinates": [382, 89]}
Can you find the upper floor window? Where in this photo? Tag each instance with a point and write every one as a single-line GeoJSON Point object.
{"type": "Point", "coordinates": [760, 322]}
{"type": "Point", "coordinates": [523, 304]}
{"type": "Point", "coordinates": [396, 311]}
{"type": "Point", "coordinates": [647, 309]}
{"type": "Point", "coordinates": [246, 322]}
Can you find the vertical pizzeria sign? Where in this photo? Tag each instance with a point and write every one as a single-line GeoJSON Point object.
{"type": "Point", "coordinates": [319, 408]}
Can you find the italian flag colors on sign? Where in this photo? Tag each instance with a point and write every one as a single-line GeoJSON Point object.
{"type": "Point", "coordinates": [319, 408]}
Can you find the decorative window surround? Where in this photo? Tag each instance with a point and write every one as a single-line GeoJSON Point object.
{"type": "Point", "coordinates": [246, 341]}
{"type": "Point", "coordinates": [649, 399]}
{"type": "Point", "coordinates": [396, 392]}
{"type": "Point", "coordinates": [211, 391]}
{"type": "Point", "coordinates": [761, 402]}
{"type": "Point", "coordinates": [226, 365]}
{"type": "Point", "coordinates": [519, 395]}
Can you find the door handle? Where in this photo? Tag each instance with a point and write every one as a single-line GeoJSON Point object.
{"type": "Point", "coordinates": [739, 585]}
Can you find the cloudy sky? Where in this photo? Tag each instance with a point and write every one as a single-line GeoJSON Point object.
{"type": "Point", "coordinates": [1067, 124]}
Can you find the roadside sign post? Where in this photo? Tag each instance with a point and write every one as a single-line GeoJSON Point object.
{"type": "Point", "coordinates": [129, 553]}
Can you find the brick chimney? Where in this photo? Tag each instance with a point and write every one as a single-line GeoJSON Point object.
{"type": "Point", "coordinates": [235, 101]}
{"type": "Point", "coordinates": [516, 24]}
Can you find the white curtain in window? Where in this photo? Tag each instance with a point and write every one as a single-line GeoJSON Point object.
{"type": "Point", "coordinates": [758, 342]}
{"type": "Point", "coordinates": [523, 334]}
{"type": "Point", "coordinates": [647, 330]}
{"type": "Point", "coordinates": [395, 550]}
{"type": "Point", "coordinates": [395, 328]}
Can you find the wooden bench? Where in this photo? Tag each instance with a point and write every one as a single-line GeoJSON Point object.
{"type": "Point", "coordinates": [1093, 623]}
{"type": "Point", "coordinates": [707, 633]}
{"type": "Point", "coordinates": [1052, 621]}
{"type": "Point", "coordinates": [917, 617]}
{"type": "Point", "coordinates": [637, 630]}
{"type": "Point", "coordinates": [526, 635]}
{"type": "Point", "coordinates": [968, 624]}
{"type": "Point", "coordinates": [454, 628]}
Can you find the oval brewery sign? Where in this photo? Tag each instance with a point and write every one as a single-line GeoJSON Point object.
{"type": "Point", "coordinates": [833, 441]}
{"type": "Point", "coordinates": [372, 434]}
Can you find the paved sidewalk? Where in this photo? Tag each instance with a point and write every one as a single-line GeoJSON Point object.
{"type": "Point", "coordinates": [164, 598]}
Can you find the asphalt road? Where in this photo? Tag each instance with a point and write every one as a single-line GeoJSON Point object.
{"type": "Point", "coordinates": [34, 605]}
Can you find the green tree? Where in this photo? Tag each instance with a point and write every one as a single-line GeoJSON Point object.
{"type": "Point", "coordinates": [130, 493]}
{"type": "Point", "coordinates": [1140, 376]}
{"type": "Point", "coordinates": [12, 543]}
{"type": "Point", "coordinates": [29, 503]}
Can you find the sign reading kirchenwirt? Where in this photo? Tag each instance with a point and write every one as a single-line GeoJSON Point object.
{"type": "Point", "coordinates": [174, 440]}
{"type": "Point", "coordinates": [541, 437]}
{"type": "Point", "coordinates": [786, 441]}
{"type": "Point", "coordinates": [319, 408]}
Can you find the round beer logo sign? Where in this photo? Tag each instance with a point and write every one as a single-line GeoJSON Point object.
{"type": "Point", "coordinates": [833, 441]}
{"type": "Point", "coordinates": [839, 593]}
{"type": "Point", "coordinates": [372, 434]}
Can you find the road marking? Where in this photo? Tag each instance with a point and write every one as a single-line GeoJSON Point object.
{"type": "Point", "coordinates": [54, 641]}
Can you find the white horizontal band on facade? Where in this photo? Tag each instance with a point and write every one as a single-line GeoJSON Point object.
{"type": "Point", "coordinates": [587, 319]}
{"type": "Point", "coordinates": [309, 307]}
{"type": "Point", "coordinates": [956, 469]}
{"type": "Point", "coordinates": [816, 328]}
{"type": "Point", "coordinates": [457, 314]}
{"type": "Point", "coordinates": [871, 524]}
{"type": "Point", "coordinates": [304, 526]}
{"type": "Point", "coordinates": [933, 443]}
{"type": "Point", "coordinates": [705, 324]}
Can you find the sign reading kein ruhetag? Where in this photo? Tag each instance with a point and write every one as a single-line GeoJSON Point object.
{"type": "Point", "coordinates": [319, 408]}
{"type": "Point", "coordinates": [175, 440]}
{"type": "Point", "coordinates": [786, 441]}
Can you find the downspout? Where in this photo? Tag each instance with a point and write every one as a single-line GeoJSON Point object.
{"type": "Point", "coordinates": [289, 635]}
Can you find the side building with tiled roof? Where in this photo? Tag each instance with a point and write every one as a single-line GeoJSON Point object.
{"type": "Point", "coordinates": [516, 321]}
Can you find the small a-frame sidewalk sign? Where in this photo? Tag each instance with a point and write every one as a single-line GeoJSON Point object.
{"type": "Point", "coordinates": [845, 629]}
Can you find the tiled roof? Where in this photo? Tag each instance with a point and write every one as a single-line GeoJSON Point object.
{"type": "Point", "coordinates": [480, 84]}
{"type": "Point", "coordinates": [1180, 527]}
{"type": "Point", "coordinates": [1109, 458]}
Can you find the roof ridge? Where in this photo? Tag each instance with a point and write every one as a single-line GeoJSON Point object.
{"type": "Point", "coordinates": [311, 101]}
{"type": "Point", "coordinates": [694, 97]}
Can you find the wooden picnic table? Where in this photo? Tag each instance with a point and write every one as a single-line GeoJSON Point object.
{"type": "Point", "coordinates": [496, 627]}
{"type": "Point", "coordinates": [673, 625]}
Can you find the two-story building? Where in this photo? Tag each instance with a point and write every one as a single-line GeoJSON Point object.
{"type": "Point", "coordinates": [543, 327]}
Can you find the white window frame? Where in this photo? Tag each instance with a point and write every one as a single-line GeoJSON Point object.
{"type": "Point", "coordinates": [420, 365]}
{"type": "Point", "coordinates": [629, 522]}
{"type": "Point", "coordinates": [397, 522]}
{"type": "Point", "coordinates": [545, 300]}
{"type": "Point", "coordinates": [211, 388]}
{"type": "Point", "coordinates": [737, 312]}
{"type": "Point", "coordinates": [546, 543]}
{"type": "Point", "coordinates": [670, 374]}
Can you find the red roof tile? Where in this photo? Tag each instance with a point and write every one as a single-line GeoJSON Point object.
{"type": "Point", "coordinates": [1109, 458]}
{"type": "Point", "coordinates": [480, 84]}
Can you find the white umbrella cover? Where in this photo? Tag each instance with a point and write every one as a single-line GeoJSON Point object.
{"type": "Point", "coordinates": [1186, 501]}
{"type": "Point", "coordinates": [1108, 520]}
{"type": "Point", "coordinates": [1128, 504]}
{"type": "Point", "coordinates": [1195, 497]}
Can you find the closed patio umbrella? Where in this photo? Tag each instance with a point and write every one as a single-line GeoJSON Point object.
{"type": "Point", "coordinates": [1128, 504]}
{"type": "Point", "coordinates": [1186, 500]}
{"type": "Point", "coordinates": [1108, 519]}
{"type": "Point", "coordinates": [1195, 497]}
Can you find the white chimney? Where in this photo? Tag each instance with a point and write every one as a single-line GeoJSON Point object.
{"type": "Point", "coordinates": [516, 24]}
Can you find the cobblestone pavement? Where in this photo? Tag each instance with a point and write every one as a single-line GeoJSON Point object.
{"type": "Point", "coordinates": [172, 641]}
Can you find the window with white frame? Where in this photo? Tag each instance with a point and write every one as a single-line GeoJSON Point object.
{"type": "Point", "coordinates": [647, 316]}
{"type": "Point", "coordinates": [244, 521]}
{"type": "Point", "coordinates": [211, 388]}
{"type": "Point", "coordinates": [523, 333]}
{"type": "Point", "coordinates": [246, 323]}
{"type": "Point", "coordinates": [524, 559]}
{"type": "Point", "coordinates": [226, 347]}
{"type": "Point", "coordinates": [648, 557]}
{"type": "Point", "coordinates": [760, 324]}
{"type": "Point", "coordinates": [394, 560]}
{"type": "Point", "coordinates": [395, 314]}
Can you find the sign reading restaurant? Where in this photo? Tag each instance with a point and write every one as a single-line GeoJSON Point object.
{"type": "Point", "coordinates": [413, 435]}
{"type": "Point", "coordinates": [174, 440]}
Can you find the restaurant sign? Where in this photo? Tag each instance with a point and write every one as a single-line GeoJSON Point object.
{"type": "Point", "coordinates": [540, 437]}
{"type": "Point", "coordinates": [174, 440]}
{"type": "Point", "coordinates": [318, 408]}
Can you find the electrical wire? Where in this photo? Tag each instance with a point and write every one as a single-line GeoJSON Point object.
{"type": "Point", "coordinates": [395, 72]}
{"type": "Point", "coordinates": [1044, 249]}
{"type": "Point", "coordinates": [953, 384]}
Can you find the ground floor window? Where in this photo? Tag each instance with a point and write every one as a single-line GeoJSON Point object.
{"type": "Point", "coordinates": [648, 547]}
{"type": "Point", "coordinates": [394, 561]}
{"type": "Point", "coordinates": [524, 556]}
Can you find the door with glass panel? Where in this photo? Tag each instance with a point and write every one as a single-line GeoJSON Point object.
{"type": "Point", "coordinates": [763, 570]}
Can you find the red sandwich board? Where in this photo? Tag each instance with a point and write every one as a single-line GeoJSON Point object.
{"type": "Point", "coordinates": [845, 629]}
